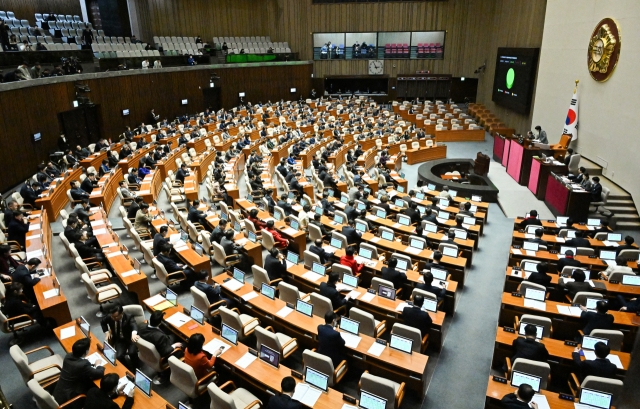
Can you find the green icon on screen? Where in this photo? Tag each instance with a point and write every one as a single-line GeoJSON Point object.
{"type": "Point", "coordinates": [511, 76]}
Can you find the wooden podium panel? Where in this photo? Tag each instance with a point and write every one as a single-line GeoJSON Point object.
{"type": "Point", "coordinates": [463, 135]}
{"type": "Point", "coordinates": [55, 201]}
{"type": "Point", "coordinates": [106, 191]}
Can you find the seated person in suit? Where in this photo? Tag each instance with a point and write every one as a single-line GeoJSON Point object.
{"type": "Point", "coordinates": [350, 261]}
{"type": "Point", "coordinates": [390, 273]}
{"type": "Point", "coordinates": [15, 305]}
{"type": "Point", "coordinates": [143, 218]}
{"type": "Point", "coordinates": [121, 332]}
{"type": "Point", "coordinates": [414, 316]}
{"type": "Point", "coordinates": [89, 183]}
{"type": "Point", "coordinates": [384, 204]}
{"type": "Point", "coordinates": [328, 289]}
{"type": "Point", "coordinates": [213, 292]}
{"type": "Point", "coordinates": [195, 215]}
{"type": "Point", "coordinates": [437, 256]}
{"type": "Point", "coordinates": [284, 401]}
{"type": "Point", "coordinates": [288, 209]}
{"type": "Point", "coordinates": [540, 276]}
{"type": "Point", "coordinates": [194, 356]}
{"type": "Point", "coordinates": [427, 286]}
{"type": "Point", "coordinates": [277, 238]}
{"type": "Point", "coordinates": [451, 238]}
{"type": "Point", "coordinates": [596, 190]}
{"type": "Point", "coordinates": [316, 248]}
{"type": "Point", "coordinates": [171, 266]}
{"type": "Point", "coordinates": [578, 241]}
{"type": "Point", "coordinates": [600, 366]}
{"type": "Point", "coordinates": [165, 346]}
{"type": "Point", "coordinates": [630, 306]}
{"type": "Point", "coordinates": [318, 223]}
{"type": "Point", "coordinates": [102, 398]}
{"type": "Point", "coordinates": [160, 239]}
{"type": "Point", "coordinates": [77, 374]}
{"type": "Point", "coordinates": [628, 244]}
{"type": "Point", "coordinates": [538, 233]}
{"type": "Point", "coordinates": [520, 399]}
{"type": "Point", "coordinates": [568, 260]}
{"type": "Point", "coordinates": [17, 228]}
{"type": "Point", "coordinates": [349, 231]}
{"type": "Point", "coordinates": [413, 212]}
{"type": "Point", "coordinates": [528, 347]}
{"type": "Point", "coordinates": [218, 233]}
{"type": "Point", "coordinates": [182, 173]}
{"type": "Point", "coordinates": [596, 320]}
{"type": "Point", "coordinates": [275, 264]}
{"type": "Point", "coordinates": [466, 209]}
{"type": "Point", "coordinates": [531, 220]}
{"type": "Point", "coordinates": [579, 283]}
{"type": "Point", "coordinates": [330, 343]}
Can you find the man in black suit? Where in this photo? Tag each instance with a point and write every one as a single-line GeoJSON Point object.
{"type": "Point", "coordinates": [213, 292]}
{"type": "Point", "coordinates": [29, 194]}
{"type": "Point", "coordinates": [134, 207]}
{"type": "Point", "coordinates": [275, 264]}
{"type": "Point", "coordinates": [578, 284]}
{"type": "Point", "coordinates": [328, 289]}
{"type": "Point", "coordinates": [89, 183]}
{"type": "Point", "coordinates": [531, 220]}
{"type": "Point", "coordinates": [330, 343]}
{"type": "Point", "coordinates": [316, 248]}
{"type": "Point", "coordinates": [17, 228]}
{"type": "Point", "coordinates": [171, 266]}
{"type": "Point", "coordinates": [427, 286]}
{"type": "Point", "coordinates": [197, 216]}
{"type": "Point", "coordinates": [182, 173]}
{"type": "Point", "coordinates": [596, 320]}
{"type": "Point", "coordinates": [77, 374]}
{"type": "Point", "coordinates": [429, 216]}
{"type": "Point", "coordinates": [121, 332]}
{"type": "Point", "coordinates": [71, 160]}
{"type": "Point", "coordinates": [22, 275]}
{"type": "Point", "coordinates": [349, 231]}
{"type": "Point", "coordinates": [326, 205]}
{"type": "Point", "coordinates": [218, 232]}
{"type": "Point", "coordinates": [437, 256]}
{"type": "Point", "coordinates": [600, 366]}
{"type": "Point", "coordinates": [351, 211]}
{"type": "Point", "coordinates": [521, 399]}
{"type": "Point", "coordinates": [284, 401]}
{"type": "Point", "coordinates": [596, 190]}
{"type": "Point", "coordinates": [568, 260]}
{"type": "Point", "coordinates": [390, 273]}
{"type": "Point", "coordinates": [540, 275]}
{"type": "Point", "coordinates": [578, 241]}
{"type": "Point", "coordinates": [415, 317]}
{"type": "Point", "coordinates": [163, 343]}
{"type": "Point", "coordinates": [628, 245]}
{"type": "Point", "coordinates": [451, 238]}
{"type": "Point", "coordinates": [413, 212]}
{"type": "Point", "coordinates": [538, 233]}
{"type": "Point", "coordinates": [77, 193]}
{"type": "Point", "coordinates": [288, 209]}
{"type": "Point", "coordinates": [528, 348]}
{"type": "Point", "coordinates": [160, 239]}
{"type": "Point", "coordinates": [102, 398]}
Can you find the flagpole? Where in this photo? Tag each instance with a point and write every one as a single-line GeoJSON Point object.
{"type": "Point", "coordinates": [576, 88]}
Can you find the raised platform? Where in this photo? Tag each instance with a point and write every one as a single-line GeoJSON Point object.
{"type": "Point", "coordinates": [479, 185]}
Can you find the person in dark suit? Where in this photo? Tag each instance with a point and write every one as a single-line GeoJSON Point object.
{"type": "Point", "coordinates": [121, 332]}
{"type": "Point", "coordinates": [77, 374]}
{"type": "Point", "coordinates": [330, 343]}
{"type": "Point", "coordinates": [415, 317]}
{"type": "Point", "coordinates": [89, 183]}
{"type": "Point", "coordinates": [160, 239]}
{"type": "Point", "coordinates": [77, 193]}
{"type": "Point", "coordinates": [427, 286]}
{"type": "Point", "coordinates": [390, 273]}
{"type": "Point", "coordinates": [153, 334]}
{"type": "Point", "coordinates": [349, 231]}
{"type": "Point", "coordinates": [296, 186]}
{"type": "Point", "coordinates": [596, 190]}
{"type": "Point", "coordinates": [102, 398]}
{"type": "Point", "coordinates": [17, 229]}
{"type": "Point", "coordinates": [213, 292]}
{"type": "Point", "coordinates": [351, 211]}
{"type": "Point", "coordinates": [600, 366]}
{"type": "Point", "coordinates": [182, 173]}
{"type": "Point", "coordinates": [538, 233]}
{"type": "Point", "coordinates": [134, 207]}
{"type": "Point", "coordinates": [540, 275]}
{"type": "Point", "coordinates": [275, 264]}
{"type": "Point", "coordinates": [29, 195]}
{"type": "Point", "coordinates": [596, 320]}
{"type": "Point", "coordinates": [578, 241]}
{"type": "Point", "coordinates": [22, 275]}
{"type": "Point", "coordinates": [451, 238]}
{"type": "Point", "coordinates": [196, 216]}
{"type": "Point", "coordinates": [521, 399]}
{"type": "Point", "coordinates": [628, 245]}
{"type": "Point", "coordinates": [532, 220]}
{"type": "Point", "coordinates": [288, 209]}
{"type": "Point", "coordinates": [579, 283]}
{"type": "Point", "coordinates": [413, 212]}
{"type": "Point", "coordinates": [171, 266]}
{"type": "Point", "coordinates": [284, 400]}
{"type": "Point", "coordinates": [328, 289]}
{"type": "Point", "coordinates": [316, 248]}
{"type": "Point", "coordinates": [326, 205]}
{"type": "Point", "coordinates": [218, 233]}
{"type": "Point", "coordinates": [429, 216]}
{"type": "Point", "coordinates": [437, 257]}
{"type": "Point", "coordinates": [528, 348]}
{"type": "Point", "coordinates": [567, 157]}
{"type": "Point", "coordinates": [568, 260]}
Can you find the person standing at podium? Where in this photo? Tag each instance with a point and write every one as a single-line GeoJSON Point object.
{"type": "Point", "coordinates": [542, 135]}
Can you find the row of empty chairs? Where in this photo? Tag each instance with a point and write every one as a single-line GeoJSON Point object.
{"type": "Point", "coordinates": [173, 39]}
{"type": "Point", "coordinates": [259, 50]}
{"type": "Point", "coordinates": [59, 17]}
{"type": "Point", "coordinates": [35, 39]}
{"type": "Point", "coordinates": [192, 48]}
{"type": "Point", "coordinates": [127, 54]}
{"type": "Point", "coordinates": [252, 39]}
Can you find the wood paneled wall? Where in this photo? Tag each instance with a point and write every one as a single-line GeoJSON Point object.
{"type": "Point", "coordinates": [35, 109]}
{"type": "Point", "coordinates": [27, 9]}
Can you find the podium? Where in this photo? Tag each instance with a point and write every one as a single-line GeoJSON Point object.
{"type": "Point", "coordinates": [539, 175]}
{"type": "Point", "coordinates": [563, 200]}
{"type": "Point", "coordinates": [520, 157]}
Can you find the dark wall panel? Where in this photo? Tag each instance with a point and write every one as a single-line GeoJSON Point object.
{"type": "Point", "coordinates": [26, 9]}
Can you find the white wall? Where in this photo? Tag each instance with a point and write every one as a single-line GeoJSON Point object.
{"type": "Point", "coordinates": [609, 118]}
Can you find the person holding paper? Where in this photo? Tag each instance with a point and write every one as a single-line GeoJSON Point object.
{"type": "Point", "coordinates": [22, 275]}
{"type": "Point", "coordinates": [521, 399]}
{"type": "Point", "coordinates": [102, 398]}
{"type": "Point", "coordinates": [200, 360]}
{"type": "Point", "coordinates": [284, 400]}
{"type": "Point", "coordinates": [121, 332]}
{"type": "Point", "coordinates": [77, 374]}
{"type": "Point", "coordinates": [600, 366]}
{"type": "Point", "coordinates": [330, 343]}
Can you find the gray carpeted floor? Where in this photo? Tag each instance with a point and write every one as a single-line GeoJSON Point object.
{"type": "Point", "coordinates": [463, 365]}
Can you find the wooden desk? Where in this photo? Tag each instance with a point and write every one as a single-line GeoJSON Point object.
{"type": "Point", "coordinates": [140, 400]}
{"type": "Point", "coordinates": [191, 187]}
{"type": "Point", "coordinates": [563, 200]}
{"type": "Point", "coordinates": [150, 187]}
{"type": "Point", "coordinates": [424, 154]}
{"type": "Point", "coordinates": [106, 191]}
{"type": "Point", "coordinates": [496, 390]}
{"type": "Point", "coordinates": [38, 245]}
{"type": "Point", "coordinates": [188, 255]}
{"type": "Point", "coordinates": [57, 200]}
{"type": "Point", "coordinates": [201, 163]}
{"type": "Point", "coordinates": [594, 264]}
{"type": "Point", "coordinates": [539, 176]}
{"type": "Point", "coordinates": [198, 144]}
{"type": "Point", "coordinates": [95, 160]}
{"type": "Point", "coordinates": [462, 135]}
{"type": "Point", "coordinates": [169, 162]}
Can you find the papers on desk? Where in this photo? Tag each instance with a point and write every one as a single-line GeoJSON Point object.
{"type": "Point", "coordinates": [367, 297]}
{"type": "Point", "coordinates": [441, 220]}
{"type": "Point", "coordinates": [128, 386]}
{"type": "Point", "coordinates": [342, 287]}
{"type": "Point", "coordinates": [289, 231]}
{"type": "Point", "coordinates": [516, 251]}
{"type": "Point", "coordinates": [34, 226]}
{"type": "Point", "coordinates": [214, 345]}
{"type": "Point", "coordinates": [155, 300]}
{"type": "Point", "coordinates": [67, 332]}
{"type": "Point", "coordinates": [311, 276]}
{"type": "Point", "coordinates": [396, 225]}
{"type": "Point", "coordinates": [250, 295]}
{"type": "Point", "coordinates": [371, 217]}
{"type": "Point", "coordinates": [178, 319]}
{"type": "Point", "coordinates": [115, 253]}
{"type": "Point", "coordinates": [376, 349]}
{"type": "Point", "coordinates": [34, 254]}
{"type": "Point", "coordinates": [560, 240]}
{"type": "Point", "coordinates": [591, 227]}
{"type": "Point", "coordinates": [412, 250]}
{"type": "Point", "coordinates": [246, 360]}
{"type": "Point", "coordinates": [128, 273]}
{"type": "Point", "coordinates": [401, 306]}
{"type": "Point", "coordinates": [565, 310]}
{"type": "Point", "coordinates": [538, 305]}
{"type": "Point", "coordinates": [181, 248]}
{"type": "Point", "coordinates": [330, 249]}
{"type": "Point", "coordinates": [99, 232]}
{"type": "Point", "coordinates": [350, 340]}
{"type": "Point", "coordinates": [529, 236]}
{"type": "Point", "coordinates": [611, 243]}
{"type": "Point", "coordinates": [614, 359]}
{"type": "Point", "coordinates": [96, 223]}
{"type": "Point", "coordinates": [50, 293]}
{"type": "Point", "coordinates": [375, 239]}
{"type": "Point", "coordinates": [95, 357]}
{"type": "Point", "coordinates": [306, 394]}
{"type": "Point", "coordinates": [530, 253]}
{"type": "Point", "coordinates": [526, 273]}
{"type": "Point", "coordinates": [144, 192]}
{"type": "Point", "coordinates": [45, 273]}
{"type": "Point", "coordinates": [109, 245]}
{"type": "Point", "coordinates": [232, 285]}
{"type": "Point", "coordinates": [541, 401]}
{"type": "Point", "coordinates": [611, 263]}
{"type": "Point", "coordinates": [570, 280]}
{"type": "Point", "coordinates": [353, 294]}
{"type": "Point", "coordinates": [467, 226]}
{"type": "Point", "coordinates": [284, 311]}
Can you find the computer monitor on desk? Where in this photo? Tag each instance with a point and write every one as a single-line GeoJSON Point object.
{"type": "Point", "coordinates": [401, 343]}
{"type": "Point", "coordinates": [589, 342]}
{"type": "Point", "coordinates": [595, 399]}
{"type": "Point", "coordinates": [229, 334]}
{"type": "Point", "coordinates": [269, 356]}
{"type": "Point", "coordinates": [143, 382]}
{"type": "Point", "coordinates": [171, 297]}
{"type": "Point", "coordinates": [316, 379]}
{"type": "Point", "coordinates": [371, 401]}
{"type": "Point", "coordinates": [518, 378]}
{"type": "Point", "coordinates": [387, 292]}
{"type": "Point", "coordinates": [109, 353]}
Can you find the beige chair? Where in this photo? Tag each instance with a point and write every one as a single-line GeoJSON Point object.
{"type": "Point", "coordinates": [581, 297]}
{"type": "Point", "coordinates": [619, 274]}
{"type": "Point", "coordinates": [184, 378]}
{"type": "Point", "coordinates": [149, 355]}
{"type": "Point", "coordinates": [341, 270]}
{"type": "Point", "coordinates": [314, 232]}
{"type": "Point", "coordinates": [393, 392]}
{"type": "Point", "coordinates": [368, 324]}
{"type": "Point", "coordinates": [323, 363]}
{"type": "Point", "coordinates": [99, 276]}
{"type": "Point", "coordinates": [45, 371]}
{"type": "Point", "coordinates": [584, 251]}
{"type": "Point", "coordinates": [260, 276]}
{"type": "Point", "coordinates": [615, 337]}
{"type": "Point", "coordinates": [243, 323]}
{"type": "Point", "coordinates": [522, 289]}
{"type": "Point", "coordinates": [322, 304]}
{"type": "Point", "coordinates": [165, 278]}
{"type": "Point", "coordinates": [277, 341]}
{"type": "Point", "coordinates": [377, 281]}
{"type": "Point", "coordinates": [374, 250]}
{"type": "Point", "coordinates": [201, 302]}
{"type": "Point", "coordinates": [420, 343]}
{"type": "Point", "coordinates": [100, 295]}
{"type": "Point", "coordinates": [237, 398]}
{"type": "Point", "coordinates": [607, 385]}
{"type": "Point", "coordinates": [194, 231]}
{"type": "Point", "coordinates": [15, 324]}
{"type": "Point", "coordinates": [629, 254]}
{"type": "Point", "coordinates": [268, 242]}
{"type": "Point", "coordinates": [544, 322]}
{"type": "Point", "coordinates": [135, 311]}
{"type": "Point", "coordinates": [310, 258]}
{"type": "Point", "coordinates": [290, 294]}
{"type": "Point", "coordinates": [44, 400]}
{"type": "Point", "coordinates": [541, 369]}
{"type": "Point", "coordinates": [221, 257]}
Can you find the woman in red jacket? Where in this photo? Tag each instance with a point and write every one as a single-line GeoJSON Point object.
{"type": "Point", "coordinates": [196, 358]}
{"type": "Point", "coordinates": [350, 261]}
{"type": "Point", "coordinates": [280, 241]}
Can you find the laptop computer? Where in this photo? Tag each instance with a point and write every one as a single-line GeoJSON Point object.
{"type": "Point", "coordinates": [371, 401]}
{"type": "Point", "coordinates": [420, 196]}
{"type": "Point", "coordinates": [337, 219]}
{"type": "Point", "coordinates": [365, 253]}
{"type": "Point", "coordinates": [109, 353]}
{"type": "Point", "coordinates": [564, 249]}
{"type": "Point", "coordinates": [349, 325]}
{"type": "Point", "coordinates": [85, 327]}
{"type": "Point", "coordinates": [387, 292]}
{"type": "Point", "coordinates": [350, 280]}
{"type": "Point", "coordinates": [252, 236]}
{"type": "Point", "coordinates": [292, 259]}
{"type": "Point", "coordinates": [631, 280]}
{"type": "Point", "coordinates": [229, 334]}
{"type": "Point", "coordinates": [439, 274]}
{"type": "Point", "coordinates": [316, 379]}
{"type": "Point", "coordinates": [453, 193]}
{"type": "Point", "coordinates": [430, 305]}
{"type": "Point", "coordinates": [518, 378]}
{"type": "Point", "coordinates": [387, 235]}
{"type": "Point", "coordinates": [476, 198]}
{"type": "Point", "coordinates": [591, 303]}
{"type": "Point", "coordinates": [335, 243]}
{"type": "Point", "coordinates": [304, 308]}
{"type": "Point", "coordinates": [460, 234]}
{"type": "Point", "coordinates": [238, 275]}
{"type": "Point", "coordinates": [171, 297]}
{"type": "Point", "coordinates": [268, 291]}
{"type": "Point", "coordinates": [197, 315]}
{"type": "Point", "coordinates": [402, 264]}
{"type": "Point", "coordinates": [381, 213]}
{"type": "Point", "coordinates": [361, 227]}
{"type": "Point", "coordinates": [561, 221]}
{"type": "Point", "coordinates": [431, 228]}
{"type": "Point", "coordinates": [431, 186]}
{"type": "Point", "coordinates": [269, 356]}
{"type": "Point", "coordinates": [277, 215]}
{"type": "Point", "coordinates": [443, 203]}
{"type": "Point", "coordinates": [399, 202]}
{"type": "Point", "coordinates": [401, 343]}
{"type": "Point", "coordinates": [592, 398]}
{"type": "Point", "coordinates": [593, 222]}
{"type": "Point", "coordinates": [400, 188]}
{"type": "Point", "coordinates": [319, 269]}
{"type": "Point", "coordinates": [608, 256]}
{"type": "Point", "coordinates": [344, 199]}
{"type": "Point", "coordinates": [443, 215]}
{"type": "Point", "coordinates": [198, 248]}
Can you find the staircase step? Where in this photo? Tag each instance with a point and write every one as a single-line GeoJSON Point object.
{"type": "Point", "coordinates": [620, 202]}
{"type": "Point", "coordinates": [621, 209]}
{"type": "Point", "coordinates": [624, 225]}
